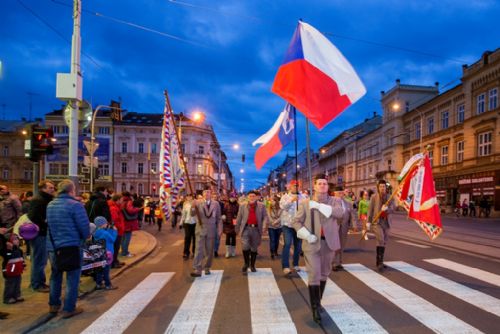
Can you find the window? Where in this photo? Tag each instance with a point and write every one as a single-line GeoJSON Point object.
{"type": "Point", "coordinates": [103, 169]}
{"type": "Point", "coordinates": [444, 155]}
{"type": "Point", "coordinates": [6, 150]}
{"type": "Point", "coordinates": [460, 113]}
{"type": "Point", "coordinates": [199, 169]}
{"type": "Point", "coordinates": [407, 106]}
{"type": "Point", "coordinates": [140, 168]}
{"type": "Point", "coordinates": [53, 169]}
{"type": "Point", "coordinates": [28, 174]}
{"type": "Point", "coordinates": [431, 157]}
{"type": "Point", "coordinates": [418, 133]}
{"type": "Point", "coordinates": [153, 167]}
{"type": "Point", "coordinates": [484, 144]}
{"type": "Point", "coordinates": [124, 147]}
{"type": "Point", "coordinates": [460, 151]}
{"type": "Point", "coordinates": [201, 149]}
{"type": "Point", "coordinates": [493, 99]}
{"type": "Point", "coordinates": [5, 174]}
{"type": "Point", "coordinates": [444, 120]}
{"type": "Point", "coordinates": [140, 188]}
{"type": "Point", "coordinates": [124, 187]}
{"type": "Point", "coordinates": [153, 148]}
{"type": "Point", "coordinates": [141, 147]}
{"type": "Point", "coordinates": [430, 125]}
{"type": "Point", "coordinates": [124, 167]}
{"type": "Point", "coordinates": [183, 148]}
{"type": "Point", "coordinates": [103, 130]}
{"type": "Point", "coordinates": [64, 169]}
{"type": "Point", "coordinates": [480, 104]}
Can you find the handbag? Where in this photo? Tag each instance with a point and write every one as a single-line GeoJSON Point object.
{"type": "Point", "coordinates": [128, 216]}
{"type": "Point", "coordinates": [67, 258]}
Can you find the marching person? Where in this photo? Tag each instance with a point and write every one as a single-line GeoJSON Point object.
{"type": "Point", "coordinates": [188, 222]}
{"type": "Point", "coordinates": [363, 212]}
{"type": "Point", "coordinates": [231, 212]}
{"type": "Point", "coordinates": [381, 225]}
{"type": "Point", "coordinates": [206, 231]}
{"type": "Point", "coordinates": [288, 204]}
{"type": "Point", "coordinates": [274, 227]}
{"type": "Point", "coordinates": [249, 224]}
{"type": "Point", "coordinates": [344, 223]}
{"type": "Point", "coordinates": [316, 224]}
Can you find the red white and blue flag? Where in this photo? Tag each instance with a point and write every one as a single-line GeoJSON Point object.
{"type": "Point", "coordinates": [316, 78]}
{"type": "Point", "coordinates": [282, 132]}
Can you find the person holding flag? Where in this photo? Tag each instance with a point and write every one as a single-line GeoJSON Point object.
{"type": "Point", "coordinates": [379, 209]}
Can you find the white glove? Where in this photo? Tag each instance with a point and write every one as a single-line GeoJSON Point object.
{"type": "Point", "coordinates": [384, 208]}
{"type": "Point", "coordinates": [325, 210]}
{"type": "Point", "coordinates": [304, 234]}
{"type": "Point", "coordinates": [368, 226]}
{"type": "Point", "coordinates": [223, 217]}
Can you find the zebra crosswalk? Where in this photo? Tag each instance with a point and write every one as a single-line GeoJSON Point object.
{"type": "Point", "coordinates": [269, 312]}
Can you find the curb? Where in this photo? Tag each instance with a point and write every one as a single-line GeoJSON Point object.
{"type": "Point", "coordinates": [45, 318]}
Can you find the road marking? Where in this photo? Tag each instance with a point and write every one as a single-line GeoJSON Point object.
{"type": "Point", "coordinates": [158, 258]}
{"type": "Point", "coordinates": [124, 312]}
{"type": "Point", "coordinates": [344, 311]}
{"type": "Point", "coordinates": [412, 244]}
{"type": "Point", "coordinates": [195, 312]}
{"type": "Point", "coordinates": [471, 296]}
{"type": "Point", "coordinates": [177, 243]}
{"type": "Point", "coordinates": [476, 273]}
{"type": "Point", "coordinates": [427, 313]}
{"type": "Point", "coordinates": [269, 313]}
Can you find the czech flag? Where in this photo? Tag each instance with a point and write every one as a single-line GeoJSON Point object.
{"type": "Point", "coordinates": [282, 132]}
{"type": "Point", "coordinates": [316, 78]}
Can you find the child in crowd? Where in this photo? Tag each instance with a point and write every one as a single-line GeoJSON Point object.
{"type": "Point", "coordinates": [108, 233]}
{"type": "Point", "coordinates": [12, 269]}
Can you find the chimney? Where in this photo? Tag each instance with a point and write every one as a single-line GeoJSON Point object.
{"type": "Point", "coordinates": [398, 81]}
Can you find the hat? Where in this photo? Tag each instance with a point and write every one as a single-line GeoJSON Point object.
{"type": "Point", "coordinates": [92, 228]}
{"type": "Point", "coordinates": [100, 221]}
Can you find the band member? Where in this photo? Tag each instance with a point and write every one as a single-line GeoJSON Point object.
{"type": "Point", "coordinates": [381, 225]}
{"type": "Point", "coordinates": [316, 224]}
{"type": "Point", "coordinates": [249, 224]}
{"type": "Point", "coordinates": [206, 231]}
{"type": "Point", "coordinates": [344, 223]}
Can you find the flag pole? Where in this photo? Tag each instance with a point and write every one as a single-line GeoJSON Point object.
{"type": "Point", "coordinates": [308, 159]}
{"type": "Point", "coordinates": [171, 113]}
{"type": "Point", "coordinates": [296, 155]}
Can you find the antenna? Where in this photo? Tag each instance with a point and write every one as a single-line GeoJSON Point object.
{"type": "Point", "coordinates": [30, 95]}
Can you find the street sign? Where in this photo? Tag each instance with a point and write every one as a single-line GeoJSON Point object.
{"type": "Point", "coordinates": [88, 145]}
{"type": "Point", "coordinates": [86, 161]}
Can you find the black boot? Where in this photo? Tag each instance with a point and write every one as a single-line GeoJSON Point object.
{"type": "Point", "coordinates": [380, 258]}
{"type": "Point", "coordinates": [246, 256]}
{"type": "Point", "coordinates": [252, 261]}
{"type": "Point", "coordinates": [314, 297]}
{"type": "Point", "coordinates": [322, 285]}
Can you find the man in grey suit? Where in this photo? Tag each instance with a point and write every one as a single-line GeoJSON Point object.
{"type": "Point", "coordinates": [206, 231]}
{"type": "Point", "coordinates": [316, 224]}
{"type": "Point", "coordinates": [249, 224]}
{"type": "Point", "coordinates": [347, 219]}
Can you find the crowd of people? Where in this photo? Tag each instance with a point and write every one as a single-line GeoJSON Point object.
{"type": "Point", "coordinates": [468, 209]}
{"type": "Point", "coordinates": [55, 228]}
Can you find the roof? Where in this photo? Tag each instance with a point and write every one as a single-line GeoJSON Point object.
{"type": "Point", "coordinates": [7, 126]}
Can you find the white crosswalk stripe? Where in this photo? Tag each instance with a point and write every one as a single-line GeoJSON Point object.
{"type": "Point", "coordinates": [427, 313]}
{"type": "Point", "coordinates": [268, 310]}
{"type": "Point", "coordinates": [195, 312]}
{"type": "Point", "coordinates": [344, 311]}
{"type": "Point", "coordinates": [469, 271]}
{"type": "Point", "coordinates": [471, 296]}
{"type": "Point", "coordinates": [124, 312]}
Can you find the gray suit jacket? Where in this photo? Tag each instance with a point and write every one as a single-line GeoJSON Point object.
{"type": "Point", "coordinates": [374, 207]}
{"type": "Point", "coordinates": [329, 225]}
{"type": "Point", "coordinates": [211, 222]}
{"type": "Point", "coordinates": [242, 218]}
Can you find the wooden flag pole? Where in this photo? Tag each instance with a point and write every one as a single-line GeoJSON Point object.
{"type": "Point", "coordinates": [169, 107]}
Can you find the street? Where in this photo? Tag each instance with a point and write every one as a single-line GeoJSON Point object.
{"type": "Point", "coordinates": [449, 286]}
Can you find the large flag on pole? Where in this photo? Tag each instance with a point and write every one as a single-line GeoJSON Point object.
{"type": "Point", "coordinates": [172, 174]}
{"type": "Point", "coordinates": [418, 196]}
{"type": "Point", "coordinates": [282, 132]}
{"type": "Point", "coordinates": [316, 78]}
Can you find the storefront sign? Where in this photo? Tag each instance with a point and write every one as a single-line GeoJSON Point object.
{"type": "Point", "coordinates": [476, 180]}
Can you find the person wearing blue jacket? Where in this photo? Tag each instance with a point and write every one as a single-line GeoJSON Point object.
{"type": "Point", "coordinates": [68, 225]}
{"type": "Point", "coordinates": [108, 234]}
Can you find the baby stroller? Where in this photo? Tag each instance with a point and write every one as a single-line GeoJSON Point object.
{"type": "Point", "coordinates": [94, 256]}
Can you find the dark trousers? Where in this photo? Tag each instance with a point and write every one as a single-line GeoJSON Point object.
{"type": "Point", "coordinates": [189, 238]}
{"type": "Point", "coordinates": [116, 246]}
{"type": "Point", "coordinates": [12, 288]}
{"type": "Point", "coordinates": [231, 239]}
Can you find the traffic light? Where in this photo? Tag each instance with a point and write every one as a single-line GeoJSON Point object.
{"type": "Point", "coordinates": [154, 188]}
{"type": "Point", "coordinates": [39, 142]}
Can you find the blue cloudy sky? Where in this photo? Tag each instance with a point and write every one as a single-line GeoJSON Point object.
{"type": "Point", "coordinates": [221, 56]}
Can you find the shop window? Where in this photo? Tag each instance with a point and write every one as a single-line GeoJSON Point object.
{"type": "Point", "coordinates": [484, 144]}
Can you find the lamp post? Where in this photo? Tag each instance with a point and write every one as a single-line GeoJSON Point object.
{"type": "Point", "coordinates": [92, 142]}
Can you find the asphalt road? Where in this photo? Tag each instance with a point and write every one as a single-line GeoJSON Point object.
{"type": "Point", "coordinates": [419, 297]}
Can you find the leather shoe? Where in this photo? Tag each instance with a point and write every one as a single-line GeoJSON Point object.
{"type": "Point", "coordinates": [207, 271]}
{"type": "Point", "coordinates": [54, 309]}
{"type": "Point", "coordinates": [77, 310]}
{"type": "Point", "coordinates": [195, 274]}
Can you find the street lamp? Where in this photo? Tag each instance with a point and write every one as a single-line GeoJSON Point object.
{"type": "Point", "coordinates": [92, 140]}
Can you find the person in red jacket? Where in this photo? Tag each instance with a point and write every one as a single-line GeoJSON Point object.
{"type": "Point", "coordinates": [130, 210]}
{"type": "Point", "coordinates": [115, 208]}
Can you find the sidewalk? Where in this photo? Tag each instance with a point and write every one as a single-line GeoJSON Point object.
{"type": "Point", "coordinates": [34, 310]}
